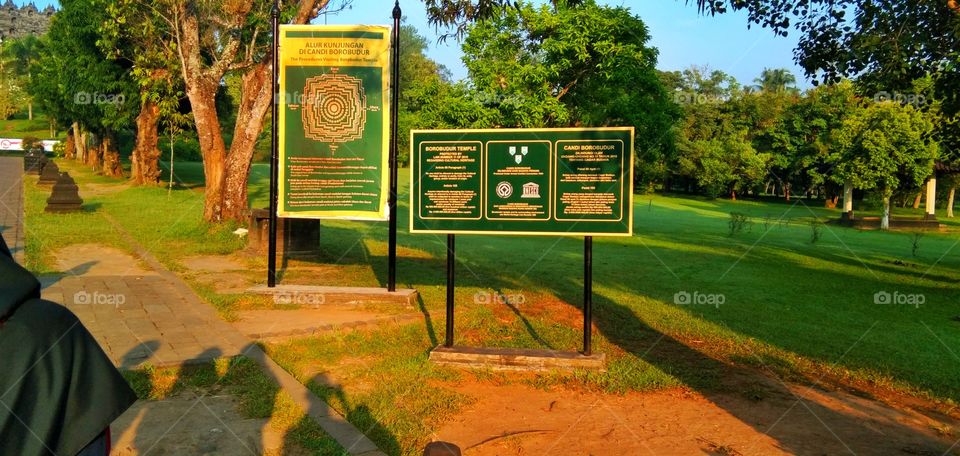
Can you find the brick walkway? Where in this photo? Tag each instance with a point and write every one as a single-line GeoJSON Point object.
{"type": "Point", "coordinates": [11, 204]}
{"type": "Point", "coordinates": [162, 322]}
{"type": "Point", "coordinates": [145, 319]}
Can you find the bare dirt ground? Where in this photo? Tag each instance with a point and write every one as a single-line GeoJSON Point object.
{"type": "Point", "coordinates": [775, 418]}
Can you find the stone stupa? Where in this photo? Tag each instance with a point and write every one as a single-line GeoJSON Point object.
{"type": "Point", "coordinates": [49, 175]}
{"type": "Point", "coordinates": [65, 196]}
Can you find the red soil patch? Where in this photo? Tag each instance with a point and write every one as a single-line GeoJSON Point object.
{"type": "Point", "coordinates": [755, 415]}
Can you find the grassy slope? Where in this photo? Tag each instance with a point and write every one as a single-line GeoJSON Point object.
{"type": "Point", "coordinates": [798, 308]}
{"type": "Point", "coordinates": [20, 127]}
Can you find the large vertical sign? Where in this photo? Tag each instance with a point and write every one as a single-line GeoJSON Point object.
{"type": "Point", "coordinates": [522, 181]}
{"type": "Point", "coordinates": [334, 122]}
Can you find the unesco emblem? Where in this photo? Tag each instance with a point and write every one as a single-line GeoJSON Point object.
{"type": "Point", "coordinates": [504, 189]}
{"type": "Point", "coordinates": [531, 190]}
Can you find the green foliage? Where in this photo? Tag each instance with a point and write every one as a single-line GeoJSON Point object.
{"type": "Point", "coordinates": [558, 66]}
{"type": "Point", "coordinates": [31, 144]}
{"type": "Point", "coordinates": [74, 80]}
{"type": "Point", "coordinates": [779, 80]}
{"type": "Point", "coordinates": [884, 146]}
{"type": "Point", "coordinates": [915, 242]}
{"type": "Point", "coordinates": [59, 149]}
{"type": "Point", "coordinates": [11, 97]}
{"type": "Point", "coordinates": [738, 223]}
{"type": "Point", "coordinates": [724, 165]}
{"type": "Point", "coordinates": [886, 45]}
{"type": "Point", "coordinates": [816, 230]}
{"type": "Point", "coordinates": [425, 89]}
{"type": "Point", "coordinates": [801, 138]}
{"type": "Point", "coordinates": [17, 58]}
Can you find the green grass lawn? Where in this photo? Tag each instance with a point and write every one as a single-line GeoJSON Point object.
{"type": "Point", "coordinates": [21, 127]}
{"type": "Point", "coordinates": [799, 309]}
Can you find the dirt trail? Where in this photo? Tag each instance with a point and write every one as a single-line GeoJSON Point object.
{"type": "Point", "coordinates": [773, 419]}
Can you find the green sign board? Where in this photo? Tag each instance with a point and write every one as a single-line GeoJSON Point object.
{"type": "Point", "coordinates": [522, 181]}
{"type": "Point", "coordinates": [333, 128]}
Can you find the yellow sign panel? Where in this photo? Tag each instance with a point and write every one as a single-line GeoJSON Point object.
{"type": "Point", "coordinates": [334, 128]}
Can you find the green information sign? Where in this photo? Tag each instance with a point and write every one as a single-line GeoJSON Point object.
{"type": "Point", "coordinates": [522, 181]}
{"type": "Point", "coordinates": [333, 122]}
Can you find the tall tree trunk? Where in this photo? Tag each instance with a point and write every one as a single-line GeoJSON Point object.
{"type": "Point", "coordinates": [202, 85]}
{"type": "Point", "coordinates": [786, 191]}
{"type": "Point", "coordinates": [111, 156]}
{"type": "Point", "coordinates": [30, 110]}
{"type": "Point", "coordinates": [885, 220]}
{"type": "Point", "coordinates": [145, 160]}
{"type": "Point", "coordinates": [94, 158]}
{"type": "Point", "coordinates": [953, 190]}
{"type": "Point", "coordinates": [916, 201]}
{"type": "Point", "coordinates": [253, 108]}
{"type": "Point", "coordinates": [81, 142]}
{"type": "Point", "coordinates": [70, 145]}
{"type": "Point", "coordinates": [212, 148]}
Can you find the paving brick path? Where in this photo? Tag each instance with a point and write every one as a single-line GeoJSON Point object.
{"type": "Point", "coordinates": [11, 204]}
{"type": "Point", "coordinates": [161, 321]}
{"type": "Point", "coordinates": [150, 315]}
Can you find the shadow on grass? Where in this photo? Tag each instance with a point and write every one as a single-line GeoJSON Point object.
{"type": "Point", "coordinates": [257, 396]}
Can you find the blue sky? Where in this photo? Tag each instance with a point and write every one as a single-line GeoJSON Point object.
{"type": "Point", "coordinates": [683, 37]}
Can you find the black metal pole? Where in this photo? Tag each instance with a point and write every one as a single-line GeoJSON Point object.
{"type": "Point", "coordinates": [587, 294]}
{"type": "Point", "coordinates": [274, 153]}
{"type": "Point", "coordinates": [451, 262]}
{"type": "Point", "coordinates": [394, 122]}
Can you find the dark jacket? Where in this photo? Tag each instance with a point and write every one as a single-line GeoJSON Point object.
{"type": "Point", "coordinates": [58, 390]}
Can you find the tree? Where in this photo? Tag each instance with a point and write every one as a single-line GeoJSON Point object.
{"type": "Point", "coordinates": [76, 82]}
{"type": "Point", "coordinates": [883, 147]}
{"type": "Point", "coordinates": [424, 86]}
{"type": "Point", "coordinates": [723, 165]}
{"type": "Point", "coordinates": [556, 65]}
{"type": "Point", "coordinates": [778, 80]}
{"type": "Point", "coordinates": [214, 39]}
{"type": "Point", "coordinates": [129, 35]}
{"type": "Point", "coordinates": [20, 55]}
{"type": "Point", "coordinates": [801, 140]}
{"type": "Point", "coordinates": [885, 44]}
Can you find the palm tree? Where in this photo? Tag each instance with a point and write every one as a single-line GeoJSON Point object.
{"type": "Point", "coordinates": [19, 55]}
{"type": "Point", "coordinates": [779, 80]}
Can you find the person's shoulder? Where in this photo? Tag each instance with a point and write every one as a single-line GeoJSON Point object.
{"type": "Point", "coordinates": [43, 315]}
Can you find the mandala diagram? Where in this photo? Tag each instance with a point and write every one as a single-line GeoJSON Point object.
{"type": "Point", "coordinates": [334, 108]}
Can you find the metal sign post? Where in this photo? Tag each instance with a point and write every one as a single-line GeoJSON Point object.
{"type": "Point", "coordinates": [451, 264]}
{"type": "Point", "coordinates": [587, 294]}
{"type": "Point", "coordinates": [394, 122]}
{"type": "Point", "coordinates": [274, 161]}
